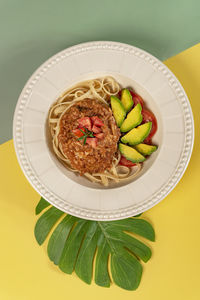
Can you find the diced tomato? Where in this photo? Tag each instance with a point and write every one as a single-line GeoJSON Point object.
{"type": "Point", "coordinates": [96, 129]}
{"type": "Point", "coordinates": [97, 121]}
{"type": "Point", "coordinates": [137, 99]}
{"type": "Point", "coordinates": [125, 162]}
{"type": "Point", "coordinates": [85, 122]}
{"type": "Point", "coordinates": [148, 116]}
{"type": "Point", "coordinates": [148, 141]}
{"type": "Point", "coordinates": [77, 132]}
{"type": "Point", "coordinates": [92, 142]}
{"type": "Point", "coordinates": [99, 135]}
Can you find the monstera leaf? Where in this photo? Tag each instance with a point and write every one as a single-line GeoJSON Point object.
{"type": "Point", "coordinates": [109, 248]}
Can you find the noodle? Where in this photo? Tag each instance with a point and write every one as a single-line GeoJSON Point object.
{"type": "Point", "coordinates": [100, 89]}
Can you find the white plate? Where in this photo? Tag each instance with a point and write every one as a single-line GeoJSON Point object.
{"type": "Point", "coordinates": [162, 93]}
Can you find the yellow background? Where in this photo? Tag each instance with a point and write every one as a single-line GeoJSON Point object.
{"type": "Point", "coordinates": [174, 269]}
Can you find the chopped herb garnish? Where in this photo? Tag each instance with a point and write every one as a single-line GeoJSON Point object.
{"type": "Point", "coordinates": [86, 133]}
{"type": "Point", "coordinates": [82, 130]}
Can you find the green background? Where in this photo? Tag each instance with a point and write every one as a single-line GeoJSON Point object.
{"type": "Point", "coordinates": [32, 31]}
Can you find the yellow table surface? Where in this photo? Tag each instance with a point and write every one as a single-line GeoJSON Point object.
{"type": "Point", "coordinates": [174, 269]}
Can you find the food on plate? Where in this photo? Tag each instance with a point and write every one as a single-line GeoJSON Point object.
{"type": "Point", "coordinates": [131, 154]}
{"type": "Point", "coordinates": [137, 99]}
{"type": "Point", "coordinates": [118, 110]}
{"type": "Point", "coordinates": [137, 135]}
{"type": "Point", "coordinates": [99, 130]}
{"type": "Point", "coordinates": [125, 162]}
{"type": "Point", "coordinates": [148, 116]}
{"type": "Point", "coordinates": [133, 119]}
{"type": "Point", "coordinates": [126, 99]}
{"type": "Point", "coordinates": [145, 149]}
{"type": "Point", "coordinates": [93, 151]}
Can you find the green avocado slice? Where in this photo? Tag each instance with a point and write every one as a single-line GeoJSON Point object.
{"type": "Point", "coordinates": [118, 110]}
{"type": "Point", "coordinates": [126, 99]}
{"type": "Point", "coordinates": [145, 149]}
{"type": "Point", "coordinates": [137, 135]}
{"type": "Point", "coordinates": [131, 154]}
{"type": "Point", "coordinates": [133, 119]}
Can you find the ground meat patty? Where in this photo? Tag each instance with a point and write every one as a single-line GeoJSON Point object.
{"type": "Point", "coordinates": [84, 158]}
